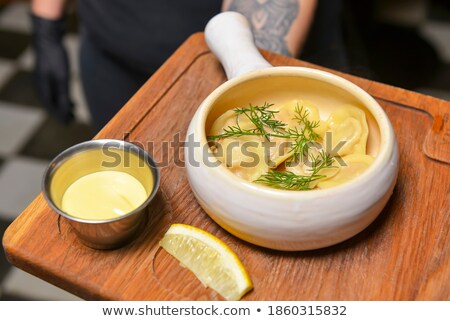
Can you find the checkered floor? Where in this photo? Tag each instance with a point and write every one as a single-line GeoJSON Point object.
{"type": "Point", "coordinates": [29, 138]}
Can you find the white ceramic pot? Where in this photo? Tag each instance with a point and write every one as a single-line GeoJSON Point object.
{"type": "Point", "coordinates": [272, 218]}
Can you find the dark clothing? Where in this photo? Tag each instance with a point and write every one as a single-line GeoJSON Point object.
{"type": "Point", "coordinates": [325, 44]}
{"type": "Point", "coordinates": [143, 33]}
{"type": "Point", "coordinates": [125, 41]}
{"type": "Point", "coordinates": [107, 83]}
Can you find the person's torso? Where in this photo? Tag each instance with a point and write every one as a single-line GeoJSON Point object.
{"type": "Point", "coordinates": [143, 33]}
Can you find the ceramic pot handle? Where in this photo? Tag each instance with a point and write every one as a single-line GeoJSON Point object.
{"type": "Point", "coordinates": [230, 38]}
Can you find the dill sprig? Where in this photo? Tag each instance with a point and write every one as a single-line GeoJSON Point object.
{"type": "Point", "coordinates": [301, 138]}
{"type": "Point", "coordinates": [260, 116]}
{"type": "Point", "coordinates": [291, 181]}
{"type": "Point", "coordinates": [266, 125]}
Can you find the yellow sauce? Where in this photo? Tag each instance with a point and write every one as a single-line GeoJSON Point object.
{"type": "Point", "coordinates": [103, 195]}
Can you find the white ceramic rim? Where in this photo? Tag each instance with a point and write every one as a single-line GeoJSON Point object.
{"type": "Point", "coordinates": [387, 137]}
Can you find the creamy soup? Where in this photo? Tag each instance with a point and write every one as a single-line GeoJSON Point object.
{"type": "Point", "coordinates": [293, 147]}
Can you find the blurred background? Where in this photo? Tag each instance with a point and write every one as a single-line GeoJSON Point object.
{"type": "Point", "coordinates": [405, 43]}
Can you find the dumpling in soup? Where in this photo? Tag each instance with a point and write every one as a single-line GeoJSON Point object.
{"type": "Point", "coordinates": [227, 119]}
{"type": "Point", "coordinates": [350, 167]}
{"type": "Point", "coordinates": [304, 166]}
{"type": "Point", "coordinates": [244, 156]}
{"type": "Point", "coordinates": [347, 131]}
{"type": "Point", "coordinates": [281, 148]}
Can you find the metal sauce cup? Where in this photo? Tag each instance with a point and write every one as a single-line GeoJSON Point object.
{"type": "Point", "coordinates": [95, 156]}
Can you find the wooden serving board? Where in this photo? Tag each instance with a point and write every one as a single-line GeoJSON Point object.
{"type": "Point", "coordinates": [403, 255]}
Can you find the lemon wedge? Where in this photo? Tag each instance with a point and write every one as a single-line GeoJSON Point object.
{"type": "Point", "coordinates": [210, 259]}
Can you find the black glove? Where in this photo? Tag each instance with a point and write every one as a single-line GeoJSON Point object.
{"type": "Point", "coordinates": [52, 67]}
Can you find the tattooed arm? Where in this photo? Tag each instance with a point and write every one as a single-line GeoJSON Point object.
{"type": "Point", "coordinates": [279, 25]}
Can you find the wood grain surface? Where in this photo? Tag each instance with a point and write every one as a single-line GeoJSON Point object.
{"type": "Point", "coordinates": [403, 255]}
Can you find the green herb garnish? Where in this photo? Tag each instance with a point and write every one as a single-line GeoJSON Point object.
{"type": "Point", "coordinates": [261, 117]}
{"type": "Point", "coordinates": [291, 181]}
{"type": "Point", "coordinates": [302, 138]}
